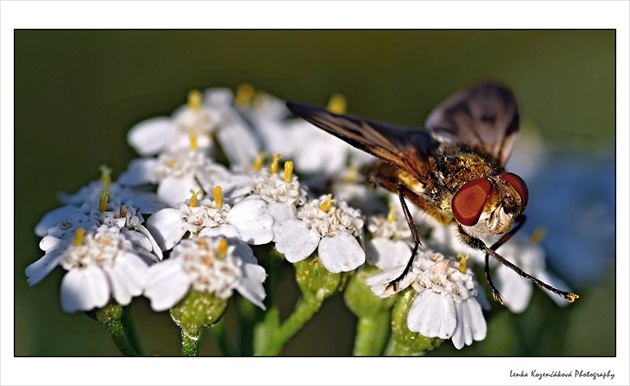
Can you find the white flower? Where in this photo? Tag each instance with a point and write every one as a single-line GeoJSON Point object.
{"type": "Point", "coordinates": [530, 257]}
{"type": "Point", "coordinates": [101, 264]}
{"type": "Point", "coordinates": [283, 194]}
{"type": "Point", "coordinates": [332, 230]}
{"type": "Point", "coordinates": [246, 220]}
{"type": "Point", "coordinates": [192, 122]}
{"type": "Point", "coordinates": [446, 306]}
{"type": "Point", "coordinates": [390, 243]}
{"type": "Point", "coordinates": [176, 173]}
{"type": "Point", "coordinates": [207, 265]}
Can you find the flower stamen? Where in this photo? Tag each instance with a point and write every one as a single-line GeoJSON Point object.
{"type": "Point", "coordinates": [223, 247]}
{"type": "Point", "coordinates": [258, 161]}
{"type": "Point", "coordinates": [194, 100]}
{"type": "Point", "coordinates": [244, 94]}
{"type": "Point", "coordinates": [217, 193]}
{"type": "Point", "coordinates": [391, 215]}
{"type": "Point", "coordinates": [325, 206]}
{"type": "Point", "coordinates": [337, 104]}
{"type": "Point", "coordinates": [538, 235]}
{"type": "Point", "coordinates": [192, 138]}
{"type": "Point", "coordinates": [193, 199]}
{"type": "Point", "coordinates": [462, 261]}
{"type": "Point", "coordinates": [288, 171]}
{"type": "Point", "coordinates": [273, 169]}
{"type": "Point", "coordinates": [78, 236]}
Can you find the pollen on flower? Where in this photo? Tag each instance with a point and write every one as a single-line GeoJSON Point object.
{"type": "Point", "coordinates": [273, 169]}
{"type": "Point", "coordinates": [194, 100]}
{"type": "Point", "coordinates": [244, 94]}
{"type": "Point", "coordinates": [78, 236]}
{"type": "Point", "coordinates": [217, 193]}
{"type": "Point", "coordinates": [288, 171]}
{"type": "Point", "coordinates": [170, 162]}
{"type": "Point", "coordinates": [337, 104]}
{"type": "Point", "coordinates": [462, 261]}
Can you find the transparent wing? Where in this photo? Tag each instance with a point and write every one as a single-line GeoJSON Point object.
{"type": "Point", "coordinates": [404, 148]}
{"type": "Point", "coordinates": [484, 117]}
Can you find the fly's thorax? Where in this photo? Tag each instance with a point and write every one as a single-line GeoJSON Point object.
{"type": "Point", "coordinates": [456, 165]}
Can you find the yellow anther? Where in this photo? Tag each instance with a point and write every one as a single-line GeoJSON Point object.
{"type": "Point", "coordinates": [244, 94]}
{"type": "Point", "coordinates": [288, 171]}
{"type": "Point", "coordinates": [273, 169]}
{"type": "Point", "coordinates": [193, 198]}
{"type": "Point", "coordinates": [202, 243]}
{"type": "Point", "coordinates": [391, 215]}
{"type": "Point", "coordinates": [258, 161]}
{"type": "Point", "coordinates": [217, 193]}
{"type": "Point", "coordinates": [223, 247]}
{"type": "Point", "coordinates": [337, 104]}
{"type": "Point", "coordinates": [462, 262]}
{"type": "Point", "coordinates": [78, 236]}
{"type": "Point", "coordinates": [194, 100]}
{"type": "Point", "coordinates": [103, 200]}
{"type": "Point", "coordinates": [325, 206]}
{"type": "Point", "coordinates": [192, 137]}
{"type": "Point", "coordinates": [538, 235]}
{"type": "Point", "coordinates": [170, 162]}
{"type": "Point", "coordinates": [106, 176]}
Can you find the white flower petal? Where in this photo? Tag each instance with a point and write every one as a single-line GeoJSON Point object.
{"type": "Point", "coordinates": [295, 240]}
{"type": "Point", "coordinates": [49, 242]}
{"type": "Point", "coordinates": [251, 286]}
{"type": "Point", "coordinates": [38, 270]}
{"type": "Point", "coordinates": [432, 315]}
{"type": "Point", "coordinates": [379, 284]}
{"type": "Point", "coordinates": [167, 227]}
{"type": "Point", "coordinates": [281, 211]}
{"type": "Point", "coordinates": [126, 277]}
{"type": "Point", "coordinates": [238, 142]}
{"type": "Point", "coordinates": [139, 172]}
{"type": "Point", "coordinates": [515, 290]}
{"type": "Point", "coordinates": [254, 225]}
{"type": "Point", "coordinates": [166, 284]}
{"type": "Point", "coordinates": [174, 191]}
{"type": "Point", "coordinates": [84, 289]}
{"type": "Point", "coordinates": [54, 218]}
{"type": "Point", "coordinates": [226, 230]}
{"type": "Point", "coordinates": [152, 135]}
{"type": "Point", "coordinates": [385, 253]}
{"type": "Point", "coordinates": [341, 252]}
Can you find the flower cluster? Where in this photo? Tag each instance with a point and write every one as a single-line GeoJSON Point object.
{"type": "Point", "coordinates": [192, 212]}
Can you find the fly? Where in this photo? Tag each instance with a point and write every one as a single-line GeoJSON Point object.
{"type": "Point", "coordinates": [454, 171]}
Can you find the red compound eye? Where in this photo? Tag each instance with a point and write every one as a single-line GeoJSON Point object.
{"type": "Point", "coordinates": [518, 184]}
{"type": "Point", "coordinates": [468, 202]}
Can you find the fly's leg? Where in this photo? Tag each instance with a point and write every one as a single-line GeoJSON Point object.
{"type": "Point", "coordinates": [490, 251]}
{"type": "Point", "coordinates": [401, 189]}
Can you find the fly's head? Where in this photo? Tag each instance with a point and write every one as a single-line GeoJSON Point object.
{"type": "Point", "coordinates": [489, 205]}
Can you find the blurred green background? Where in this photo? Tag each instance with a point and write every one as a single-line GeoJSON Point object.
{"type": "Point", "coordinates": [77, 93]}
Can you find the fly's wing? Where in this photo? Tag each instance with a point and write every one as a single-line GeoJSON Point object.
{"type": "Point", "coordinates": [404, 148]}
{"type": "Point", "coordinates": [484, 117]}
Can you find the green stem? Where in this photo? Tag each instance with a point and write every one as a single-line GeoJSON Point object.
{"type": "Point", "coordinates": [118, 326]}
{"type": "Point", "coordinates": [276, 340]}
{"type": "Point", "coordinates": [220, 335]}
{"type": "Point", "coordinates": [191, 340]}
{"type": "Point", "coordinates": [372, 334]}
{"type": "Point", "coordinates": [130, 330]}
{"type": "Point", "coordinates": [246, 317]}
